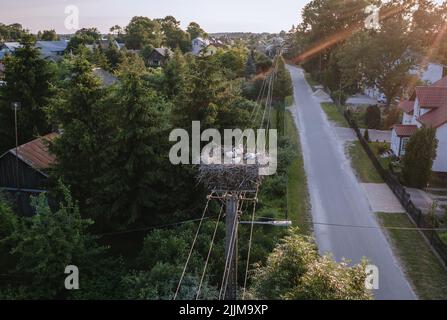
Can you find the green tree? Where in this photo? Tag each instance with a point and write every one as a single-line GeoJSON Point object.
{"type": "Point", "coordinates": [420, 153]}
{"type": "Point", "coordinates": [28, 80]}
{"type": "Point", "coordinates": [12, 32]}
{"type": "Point", "coordinates": [373, 117]}
{"type": "Point", "coordinates": [250, 67]}
{"type": "Point", "coordinates": [133, 185]}
{"type": "Point", "coordinates": [44, 245]}
{"type": "Point", "coordinates": [294, 270]}
{"type": "Point", "coordinates": [47, 35]}
{"type": "Point", "coordinates": [82, 37]}
{"type": "Point", "coordinates": [78, 110]}
{"type": "Point", "coordinates": [195, 31]}
{"type": "Point", "coordinates": [174, 36]}
{"type": "Point", "coordinates": [176, 74]}
{"type": "Point", "coordinates": [282, 87]}
{"type": "Point", "coordinates": [142, 31]}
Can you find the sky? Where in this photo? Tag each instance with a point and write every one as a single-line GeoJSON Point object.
{"type": "Point", "coordinates": [212, 15]}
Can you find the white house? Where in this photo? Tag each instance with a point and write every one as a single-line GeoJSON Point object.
{"type": "Point", "coordinates": [198, 44]}
{"type": "Point", "coordinates": [426, 107]}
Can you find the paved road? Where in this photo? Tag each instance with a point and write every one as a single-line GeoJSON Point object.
{"type": "Point", "coordinates": [337, 197]}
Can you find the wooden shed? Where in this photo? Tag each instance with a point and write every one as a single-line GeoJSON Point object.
{"type": "Point", "coordinates": [23, 172]}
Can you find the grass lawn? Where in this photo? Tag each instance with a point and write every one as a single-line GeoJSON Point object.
{"type": "Point", "coordinates": [334, 114]}
{"type": "Point", "coordinates": [424, 270]}
{"type": "Point", "coordinates": [364, 168]}
{"type": "Point", "coordinates": [297, 196]}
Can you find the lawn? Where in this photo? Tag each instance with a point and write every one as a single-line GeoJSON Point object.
{"type": "Point", "coordinates": [334, 114]}
{"type": "Point", "coordinates": [424, 270]}
{"type": "Point", "coordinates": [362, 165]}
{"type": "Point", "coordinates": [297, 195]}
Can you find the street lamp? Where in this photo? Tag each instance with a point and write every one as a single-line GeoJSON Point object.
{"type": "Point", "coordinates": [16, 106]}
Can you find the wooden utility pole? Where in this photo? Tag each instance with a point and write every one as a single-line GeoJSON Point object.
{"type": "Point", "coordinates": [231, 223]}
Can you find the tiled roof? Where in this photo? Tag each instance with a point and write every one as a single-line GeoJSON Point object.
{"type": "Point", "coordinates": [431, 97]}
{"type": "Point", "coordinates": [441, 83]}
{"type": "Point", "coordinates": [406, 106]}
{"type": "Point", "coordinates": [405, 130]}
{"type": "Point", "coordinates": [35, 153]}
{"type": "Point", "coordinates": [434, 118]}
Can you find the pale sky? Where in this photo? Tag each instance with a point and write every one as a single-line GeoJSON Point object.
{"type": "Point", "coordinates": [212, 15]}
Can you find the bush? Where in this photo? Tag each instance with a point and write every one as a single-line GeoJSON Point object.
{"type": "Point", "coordinates": [373, 117]}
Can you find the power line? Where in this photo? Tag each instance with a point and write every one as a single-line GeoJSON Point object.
{"type": "Point", "coordinates": [192, 248]}
{"type": "Point", "coordinates": [209, 252]}
{"type": "Point", "coordinates": [249, 246]}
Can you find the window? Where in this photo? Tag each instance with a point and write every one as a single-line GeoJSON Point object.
{"type": "Point", "coordinates": [404, 145]}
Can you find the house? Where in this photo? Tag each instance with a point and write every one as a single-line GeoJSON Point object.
{"type": "Point", "coordinates": [52, 50]}
{"type": "Point", "coordinates": [159, 56]}
{"type": "Point", "coordinates": [429, 74]}
{"type": "Point", "coordinates": [198, 44]}
{"type": "Point", "coordinates": [34, 160]}
{"type": "Point", "coordinates": [104, 44]}
{"type": "Point", "coordinates": [426, 107]}
{"type": "Point", "coordinates": [8, 48]}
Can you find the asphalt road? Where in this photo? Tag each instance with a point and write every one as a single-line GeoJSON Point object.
{"type": "Point", "coordinates": [338, 198]}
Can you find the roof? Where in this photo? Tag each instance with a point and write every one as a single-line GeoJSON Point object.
{"type": "Point", "coordinates": [432, 97]}
{"type": "Point", "coordinates": [52, 46]}
{"type": "Point", "coordinates": [406, 106]}
{"type": "Point", "coordinates": [107, 79]}
{"type": "Point", "coordinates": [405, 130]}
{"type": "Point", "coordinates": [164, 51]}
{"type": "Point", "coordinates": [441, 83]}
{"type": "Point", "coordinates": [35, 153]}
{"type": "Point", "coordinates": [434, 118]}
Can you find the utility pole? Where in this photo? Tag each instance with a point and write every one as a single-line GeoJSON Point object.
{"type": "Point", "coordinates": [231, 223]}
{"type": "Point", "coordinates": [16, 106]}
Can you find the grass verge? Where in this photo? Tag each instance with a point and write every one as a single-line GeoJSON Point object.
{"type": "Point", "coordinates": [297, 195]}
{"type": "Point", "coordinates": [363, 167]}
{"type": "Point", "coordinates": [334, 114]}
{"type": "Point", "coordinates": [423, 268]}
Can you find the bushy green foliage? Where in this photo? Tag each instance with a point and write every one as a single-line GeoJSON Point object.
{"type": "Point", "coordinates": [373, 117]}
{"type": "Point", "coordinates": [294, 270]}
{"type": "Point", "coordinates": [420, 152]}
{"type": "Point", "coordinates": [28, 80]}
{"type": "Point", "coordinates": [43, 245]}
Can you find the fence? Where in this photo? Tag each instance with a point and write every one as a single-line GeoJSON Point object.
{"type": "Point", "coordinates": [423, 221]}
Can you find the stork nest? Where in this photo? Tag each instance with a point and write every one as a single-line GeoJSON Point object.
{"type": "Point", "coordinates": [223, 177]}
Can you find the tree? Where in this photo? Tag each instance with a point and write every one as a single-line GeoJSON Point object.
{"type": "Point", "coordinates": [176, 73]}
{"type": "Point", "coordinates": [47, 35]}
{"type": "Point", "coordinates": [283, 83]}
{"type": "Point", "coordinates": [232, 61]}
{"type": "Point", "coordinates": [79, 110]}
{"type": "Point", "coordinates": [174, 36]}
{"type": "Point", "coordinates": [250, 67]}
{"type": "Point", "coordinates": [28, 80]}
{"type": "Point", "coordinates": [420, 152]}
{"type": "Point", "coordinates": [82, 37]}
{"type": "Point", "coordinates": [366, 135]}
{"type": "Point", "coordinates": [373, 117]}
{"type": "Point", "coordinates": [12, 32]}
{"type": "Point", "coordinates": [44, 245]}
{"type": "Point", "coordinates": [294, 270]}
{"type": "Point", "coordinates": [195, 31]}
{"type": "Point", "coordinates": [134, 182]}
{"type": "Point", "coordinates": [142, 31]}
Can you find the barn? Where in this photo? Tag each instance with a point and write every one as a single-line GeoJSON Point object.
{"type": "Point", "coordinates": [24, 172]}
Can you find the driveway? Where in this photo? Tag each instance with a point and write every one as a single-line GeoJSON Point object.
{"type": "Point", "coordinates": [360, 99]}
{"type": "Point", "coordinates": [338, 198]}
{"type": "Point", "coordinates": [347, 134]}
